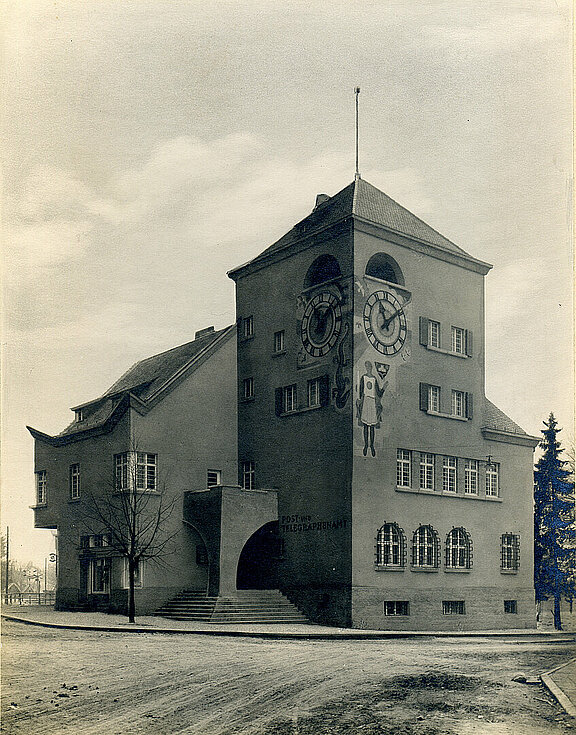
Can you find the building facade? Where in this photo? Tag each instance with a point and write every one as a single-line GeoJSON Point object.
{"type": "Point", "coordinates": [376, 485]}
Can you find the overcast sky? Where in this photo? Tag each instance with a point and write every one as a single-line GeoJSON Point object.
{"type": "Point", "coordinates": [150, 146]}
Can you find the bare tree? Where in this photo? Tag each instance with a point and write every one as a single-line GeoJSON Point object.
{"type": "Point", "coordinates": [134, 512]}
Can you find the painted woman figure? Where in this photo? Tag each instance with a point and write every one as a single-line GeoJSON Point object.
{"type": "Point", "coordinates": [369, 404]}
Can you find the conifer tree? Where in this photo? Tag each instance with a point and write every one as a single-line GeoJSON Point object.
{"type": "Point", "coordinates": [554, 531]}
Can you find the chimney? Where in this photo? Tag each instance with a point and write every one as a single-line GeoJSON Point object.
{"type": "Point", "coordinates": [204, 332]}
{"type": "Point", "coordinates": [320, 199]}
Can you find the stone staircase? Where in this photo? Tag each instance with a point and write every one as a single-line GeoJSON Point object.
{"type": "Point", "coordinates": [244, 606]}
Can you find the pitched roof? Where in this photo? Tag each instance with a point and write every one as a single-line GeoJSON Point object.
{"type": "Point", "coordinates": [138, 384]}
{"type": "Point", "coordinates": [364, 201]}
{"type": "Point", "coordinates": [496, 419]}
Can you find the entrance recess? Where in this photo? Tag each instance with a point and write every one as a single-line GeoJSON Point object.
{"type": "Point", "coordinates": [258, 563]}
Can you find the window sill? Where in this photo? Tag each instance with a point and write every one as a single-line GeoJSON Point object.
{"type": "Point", "coordinates": [383, 568]}
{"type": "Point", "coordinates": [279, 354]}
{"type": "Point", "coordinates": [300, 410]}
{"type": "Point", "coordinates": [39, 505]}
{"type": "Point", "coordinates": [447, 352]}
{"type": "Point", "coordinates": [456, 570]}
{"type": "Point", "coordinates": [242, 340]}
{"type": "Point", "coordinates": [445, 494]}
{"type": "Point", "coordinates": [425, 570]}
{"type": "Point", "coordinates": [247, 400]}
{"type": "Point", "coordinates": [74, 500]}
{"type": "Point", "coordinates": [509, 571]}
{"type": "Point", "coordinates": [446, 415]}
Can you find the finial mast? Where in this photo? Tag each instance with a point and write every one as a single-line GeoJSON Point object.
{"type": "Point", "coordinates": [357, 92]}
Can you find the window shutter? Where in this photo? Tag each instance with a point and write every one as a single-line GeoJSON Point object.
{"type": "Point", "coordinates": [468, 337]}
{"type": "Point", "coordinates": [469, 406]}
{"type": "Point", "coordinates": [278, 401]}
{"type": "Point", "coordinates": [424, 331]}
{"type": "Point", "coordinates": [423, 396]}
{"type": "Point", "coordinates": [324, 385]}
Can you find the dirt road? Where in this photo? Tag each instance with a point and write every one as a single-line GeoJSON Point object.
{"type": "Point", "coordinates": [65, 682]}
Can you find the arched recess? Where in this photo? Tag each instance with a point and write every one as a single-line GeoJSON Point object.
{"type": "Point", "coordinates": [385, 268]}
{"type": "Point", "coordinates": [324, 268]}
{"type": "Point", "coordinates": [258, 562]}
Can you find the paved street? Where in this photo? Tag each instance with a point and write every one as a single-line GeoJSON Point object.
{"type": "Point", "coordinates": [69, 681]}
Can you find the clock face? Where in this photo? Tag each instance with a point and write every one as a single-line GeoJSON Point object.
{"type": "Point", "coordinates": [321, 324]}
{"type": "Point", "coordinates": [385, 322]}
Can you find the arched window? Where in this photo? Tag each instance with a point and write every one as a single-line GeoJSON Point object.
{"type": "Point", "coordinates": [385, 268]}
{"type": "Point", "coordinates": [458, 549]}
{"type": "Point", "coordinates": [323, 269]}
{"type": "Point", "coordinates": [390, 546]}
{"type": "Point", "coordinates": [425, 548]}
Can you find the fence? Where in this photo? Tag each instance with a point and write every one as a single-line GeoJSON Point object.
{"type": "Point", "coordinates": [30, 598]}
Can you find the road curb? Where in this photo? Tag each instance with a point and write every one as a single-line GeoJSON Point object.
{"type": "Point", "coordinates": [563, 700]}
{"type": "Point", "coordinates": [285, 635]}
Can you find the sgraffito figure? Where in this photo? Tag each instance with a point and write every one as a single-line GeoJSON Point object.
{"type": "Point", "coordinates": [369, 403]}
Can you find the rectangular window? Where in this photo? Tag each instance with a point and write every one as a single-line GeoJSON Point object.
{"type": "Point", "coordinates": [458, 340]}
{"type": "Point", "coordinates": [471, 477]}
{"type": "Point", "coordinates": [121, 471]}
{"type": "Point", "coordinates": [434, 398]}
{"type": "Point", "coordinates": [248, 388]}
{"type": "Point", "coordinates": [493, 480]}
{"type": "Point", "coordinates": [289, 398]}
{"type": "Point", "coordinates": [145, 471]}
{"type": "Point", "coordinates": [248, 327]}
{"type": "Point", "coordinates": [314, 392]}
{"type": "Point", "coordinates": [41, 487]}
{"type": "Point", "coordinates": [403, 468]}
{"type": "Point", "coordinates": [458, 403]}
{"type": "Point", "coordinates": [453, 607]}
{"type": "Point", "coordinates": [510, 552]}
{"type": "Point", "coordinates": [433, 333]}
{"type": "Point", "coordinates": [213, 477]}
{"type": "Point", "coordinates": [138, 575]}
{"type": "Point", "coordinates": [279, 341]}
{"type": "Point", "coordinates": [426, 471]}
{"type": "Point", "coordinates": [74, 481]}
{"type": "Point", "coordinates": [99, 540]}
{"type": "Point", "coordinates": [511, 606]}
{"type": "Point", "coordinates": [79, 414]}
{"type": "Point", "coordinates": [100, 576]}
{"type": "Point", "coordinates": [396, 607]}
{"type": "Point", "coordinates": [248, 475]}
{"type": "Point", "coordinates": [449, 468]}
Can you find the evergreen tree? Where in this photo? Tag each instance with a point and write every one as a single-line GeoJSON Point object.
{"type": "Point", "coordinates": [554, 531]}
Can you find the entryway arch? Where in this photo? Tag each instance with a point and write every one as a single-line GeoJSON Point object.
{"type": "Point", "coordinates": [259, 559]}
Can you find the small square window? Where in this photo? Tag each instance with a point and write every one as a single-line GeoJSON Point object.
{"type": "Point", "coordinates": [248, 388]}
{"type": "Point", "coordinates": [213, 478]}
{"type": "Point", "coordinates": [453, 607]}
{"type": "Point", "coordinates": [279, 345]}
{"type": "Point", "coordinates": [511, 606]}
{"type": "Point", "coordinates": [396, 607]}
{"type": "Point", "coordinates": [434, 333]}
{"type": "Point", "coordinates": [248, 327]}
{"type": "Point", "coordinates": [79, 414]}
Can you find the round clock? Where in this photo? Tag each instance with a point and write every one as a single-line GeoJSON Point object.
{"type": "Point", "coordinates": [321, 324]}
{"type": "Point", "coordinates": [385, 322]}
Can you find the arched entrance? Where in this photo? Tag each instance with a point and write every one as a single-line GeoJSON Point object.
{"type": "Point", "coordinates": [258, 563]}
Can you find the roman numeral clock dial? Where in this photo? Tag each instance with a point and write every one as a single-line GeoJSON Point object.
{"type": "Point", "coordinates": [385, 322]}
{"type": "Point", "coordinates": [321, 324]}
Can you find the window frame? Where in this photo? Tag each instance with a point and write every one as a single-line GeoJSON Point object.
{"type": "Point", "coordinates": [390, 547]}
{"type": "Point", "coordinates": [427, 470]}
{"type": "Point", "coordinates": [453, 607]}
{"type": "Point", "coordinates": [135, 471]}
{"type": "Point", "coordinates": [434, 334]}
{"type": "Point", "coordinates": [146, 471]}
{"type": "Point", "coordinates": [102, 563]}
{"type": "Point", "coordinates": [403, 468]}
{"type": "Point", "coordinates": [279, 342]}
{"type": "Point", "coordinates": [396, 608]}
{"type": "Point", "coordinates": [41, 487]}
{"type": "Point", "coordinates": [471, 476]}
{"type": "Point", "coordinates": [458, 403]}
{"type": "Point", "coordinates": [458, 549]}
{"type": "Point", "coordinates": [434, 398]}
{"type": "Point", "coordinates": [449, 474]}
{"type": "Point", "coordinates": [511, 607]}
{"type": "Point", "coordinates": [425, 548]}
{"type": "Point", "coordinates": [248, 327]}
{"type": "Point", "coordinates": [289, 398]}
{"type": "Point", "coordinates": [218, 478]}
{"type": "Point", "coordinates": [248, 469]}
{"type": "Point", "coordinates": [510, 552]}
{"type": "Point", "coordinates": [458, 339]}
{"type": "Point", "coordinates": [314, 384]}
{"type": "Point", "coordinates": [248, 388]}
{"type": "Point", "coordinates": [74, 481]}
{"type": "Point", "coordinates": [492, 480]}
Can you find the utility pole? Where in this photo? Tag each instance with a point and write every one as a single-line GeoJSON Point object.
{"type": "Point", "coordinates": [7, 561]}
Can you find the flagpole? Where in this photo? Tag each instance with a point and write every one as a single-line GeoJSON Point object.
{"type": "Point", "coordinates": [357, 92]}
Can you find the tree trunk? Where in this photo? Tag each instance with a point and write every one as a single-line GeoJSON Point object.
{"type": "Point", "coordinates": [557, 618]}
{"type": "Point", "coordinates": [131, 600]}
